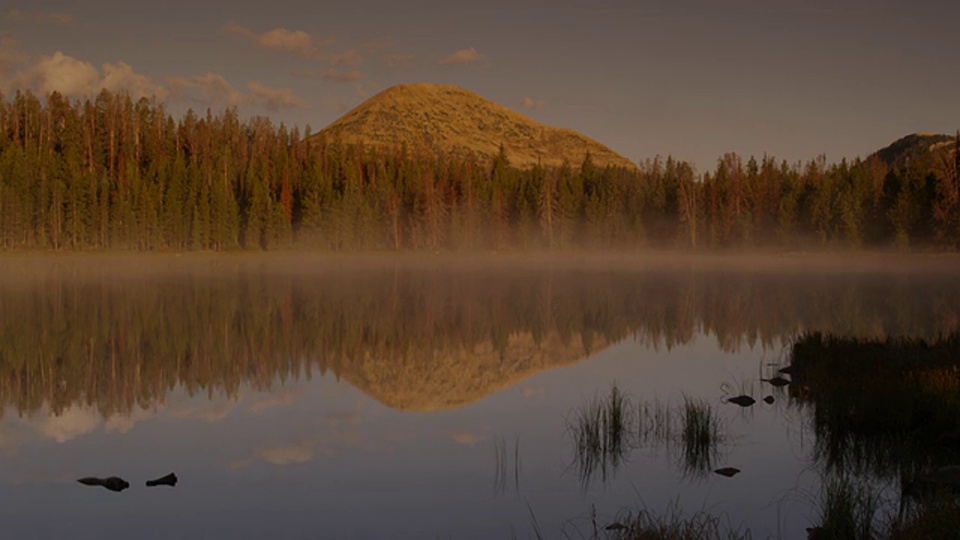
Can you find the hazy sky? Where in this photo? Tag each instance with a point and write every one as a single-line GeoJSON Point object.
{"type": "Point", "coordinates": [691, 79]}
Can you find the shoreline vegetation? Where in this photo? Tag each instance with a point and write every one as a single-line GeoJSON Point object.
{"type": "Point", "coordinates": [112, 173]}
{"type": "Point", "coordinates": [884, 414]}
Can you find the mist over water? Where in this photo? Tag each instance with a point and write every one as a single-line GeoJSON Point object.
{"type": "Point", "coordinates": [300, 395]}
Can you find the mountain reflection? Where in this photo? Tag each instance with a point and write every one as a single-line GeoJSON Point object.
{"type": "Point", "coordinates": [415, 336]}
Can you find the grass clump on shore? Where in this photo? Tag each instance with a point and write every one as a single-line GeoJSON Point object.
{"type": "Point", "coordinates": [847, 511]}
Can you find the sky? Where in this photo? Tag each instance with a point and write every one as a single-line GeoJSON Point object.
{"type": "Point", "coordinates": [691, 79]}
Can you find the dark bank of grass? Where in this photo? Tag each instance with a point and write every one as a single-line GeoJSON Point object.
{"type": "Point", "coordinates": [937, 521]}
{"type": "Point", "coordinates": [889, 407]}
{"type": "Point", "coordinates": [847, 510]}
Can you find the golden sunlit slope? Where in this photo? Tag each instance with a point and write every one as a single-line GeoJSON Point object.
{"type": "Point", "coordinates": [448, 379]}
{"type": "Point", "coordinates": [914, 146]}
{"type": "Point", "coordinates": [439, 118]}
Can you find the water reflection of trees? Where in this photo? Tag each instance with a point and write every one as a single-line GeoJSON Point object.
{"type": "Point", "coordinates": [412, 336]}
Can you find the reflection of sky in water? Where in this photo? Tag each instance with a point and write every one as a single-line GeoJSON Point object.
{"type": "Point", "coordinates": [317, 458]}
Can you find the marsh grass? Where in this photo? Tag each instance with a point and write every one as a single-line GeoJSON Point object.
{"type": "Point", "coordinates": [606, 430]}
{"type": "Point", "coordinates": [847, 510]}
{"type": "Point", "coordinates": [700, 436]}
{"type": "Point", "coordinates": [655, 422]}
{"type": "Point", "coordinates": [672, 524]}
{"type": "Point", "coordinates": [603, 433]}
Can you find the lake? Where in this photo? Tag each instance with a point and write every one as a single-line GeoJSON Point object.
{"type": "Point", "coordinates": [310, 396]}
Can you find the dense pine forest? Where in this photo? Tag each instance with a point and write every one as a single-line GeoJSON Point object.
{"type": "Point", "coordinates": [113, 173]}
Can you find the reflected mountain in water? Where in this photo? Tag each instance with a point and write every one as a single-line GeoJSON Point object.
{"type": "Point", "coordinates": [452, 377]}
{"type": "Point", "coordinates": [415, 335]}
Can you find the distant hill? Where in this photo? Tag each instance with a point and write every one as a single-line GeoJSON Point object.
{"type": "Point", "coordinates": [445, 119]}
{"type": "Point", "coordinates": [914, 146]}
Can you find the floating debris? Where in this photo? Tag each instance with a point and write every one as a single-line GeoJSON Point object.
{"type": "Point", "coordinates": [113, 483]}
{"type": "Point", "coordinates": [168, 480]}
{"type": "Point", "coordinates": [776, 381]}
{"type": "Point", "coordinates": [727, 471]}
{"type": "Point", "coordinates": [769, 400]}
{"type": "Point", "coordinates": [743, 401]}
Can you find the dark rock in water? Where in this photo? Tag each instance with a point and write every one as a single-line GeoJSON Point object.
{"type": "Point", "coordinates": [743, 401]}
{"type": "Point", "coordinates": [727, 471]}
{"type": "Point", "coordinates": [777, 381]}
{"type": "Point", "coordinates": [113, 483]}
{"type": "Point", "coordinates": [768, 400]}
{"type": "Point", "coordinates": [168, 480]}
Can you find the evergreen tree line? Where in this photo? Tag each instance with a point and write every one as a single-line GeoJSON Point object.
{"type": "Point", "coordinates": [114, 173]}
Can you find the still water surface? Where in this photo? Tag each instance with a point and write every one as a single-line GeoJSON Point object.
{"type": "Point", "coordinates": [309, 397]}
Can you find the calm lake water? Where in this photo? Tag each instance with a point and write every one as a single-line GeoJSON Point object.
{"type": "Point", "coordinates": [366, 397]}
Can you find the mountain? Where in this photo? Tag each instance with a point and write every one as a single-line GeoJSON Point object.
{"type": "Point", "coordinates": [914, 146]}
{"type": "Point", "coordinates": [445, 119]}
{"type": "Point", "coordinates": [453, 377]}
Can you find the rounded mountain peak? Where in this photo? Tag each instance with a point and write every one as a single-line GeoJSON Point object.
{"type": "Point", "coordinates": [443, 119]}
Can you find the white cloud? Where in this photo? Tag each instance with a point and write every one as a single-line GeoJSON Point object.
{"type": "Point", "coordinates": [204, 410]}
{"type": "Point", "coordinates": [464, 57]}
{"type": "Point", "coordinates": [60, 73]}
{"type": "Point", "coordinates": [349, 57]}
{"type": "Point", "coordinates": [398, 60]}
{"type": "Point", "coordinates": [466, 438]}
{"type": "Point", "coordinates": [530, 103]}
{"type": "Point", "coordinates": [70, 424]}
{"type": "Point", "coordinates": [77, 78]}
{"type": "Point", "coordinates": [121, 77]}
{"type": "Point", "coordinates": [282, 40]}
{"type": "Point", "coordinates": [124, 422]}
{"type": "Point", "coordinates": [289, 455]}
{"type": "Point", "coordinates": [273, 98]}
{"type": "Point", "coordinates": [207, 88]}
